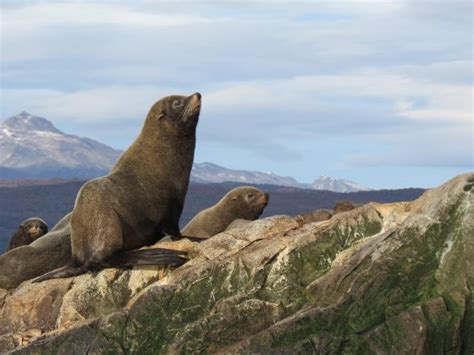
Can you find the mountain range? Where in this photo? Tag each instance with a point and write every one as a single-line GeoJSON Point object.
{"type": "Point", "coordinates": [31, 147]}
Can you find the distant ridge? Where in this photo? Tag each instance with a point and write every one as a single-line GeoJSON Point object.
{"type": "Point", "coordinates": [51, 201]}
{"type": "Point", "coordinates": [209, 172]}
{"type": "Point", "coordinates": [31, 147]}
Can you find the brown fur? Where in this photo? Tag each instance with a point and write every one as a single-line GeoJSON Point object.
{"type": "Point", "coordinates": [243, 202]}
{"type": "Point", "coordinates": [142, 198]}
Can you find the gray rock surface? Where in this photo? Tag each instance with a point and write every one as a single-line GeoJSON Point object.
{"type": "Point", "coordinates": [382, 278]}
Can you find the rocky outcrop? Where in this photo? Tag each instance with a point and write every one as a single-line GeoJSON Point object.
{"type": "Point", "coordinates": [382, 278]}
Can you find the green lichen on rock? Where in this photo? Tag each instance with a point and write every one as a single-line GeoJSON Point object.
{"type": "Point", "coordinates": [415, 272]}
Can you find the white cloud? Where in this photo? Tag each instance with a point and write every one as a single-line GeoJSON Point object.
{"type": "Point", "coordinates": [38, 15]}
{"type": "Point", "coordinates": [427, 146]}
{"type": "Point", "coordinates": [409, 98]}
{"type": "Point", "coordinates": [112, 104]}
{"type": "Point", "coordinates": [439, 102]}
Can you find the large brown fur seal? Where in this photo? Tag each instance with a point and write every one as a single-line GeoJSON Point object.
{"type": "Point", "coordinates": [142, 198]}
{"type": "Point", "coordinates": [28, 231]}
{"type": "Point", "coordinates": [47, 253]}
{"type": "Point", "coordinates": [243, 202]}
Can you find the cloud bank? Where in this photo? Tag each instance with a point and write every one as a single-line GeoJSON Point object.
{"type": "Point", "coordinates": [393, 79]}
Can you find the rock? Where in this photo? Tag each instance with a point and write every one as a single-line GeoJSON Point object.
{"type": "Point", "coordinates": [381, 278]}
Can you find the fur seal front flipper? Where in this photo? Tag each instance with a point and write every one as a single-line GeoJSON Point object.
{"type": "Point", "coordinates": [156, 256]}
{"type": "Point", "coordinates": [63, 272]}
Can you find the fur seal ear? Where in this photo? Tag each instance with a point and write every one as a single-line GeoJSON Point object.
{"type": "Point", "coordinates": [160, 116]}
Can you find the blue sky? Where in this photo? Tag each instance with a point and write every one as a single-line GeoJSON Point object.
{"type": "Point", "coordinates": [377, 92]}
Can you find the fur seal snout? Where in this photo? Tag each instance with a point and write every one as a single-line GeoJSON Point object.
{"type": "Point", "coordinates": [245, 202]}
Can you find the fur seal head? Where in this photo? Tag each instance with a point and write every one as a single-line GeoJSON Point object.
{"type": "Point", "coordinates": [245, 202]}
{"type": "Point", "coordinates": [34, 227]}
{"type": "Point", "coordinates": [28, 231]}
{"type": "Point", "coordinates": [174, 115]}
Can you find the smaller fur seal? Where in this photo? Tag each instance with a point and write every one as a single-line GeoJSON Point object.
{"type": "Point", "coordinates": [344, 206]}
{"type": "Point", "coordinates": [28, 231]}
{"type": "Point", "coordinates": [47, 253]}
{"type": "Point", "coordinates": [245, 202]}
{"type": "Point", "coordinates": [314, 216]}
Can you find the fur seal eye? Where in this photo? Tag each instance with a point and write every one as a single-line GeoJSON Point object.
{"type": "Point", "coordinates": [249, 195]}
{"type": "Point", "coordinates": [177, 104]}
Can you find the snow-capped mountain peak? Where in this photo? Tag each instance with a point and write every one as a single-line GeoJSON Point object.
{"type": "Point", "coordinates": [25, 121]}
{"type": "Point", "coordinates": [31, 147]}
{"type": "Point", "coordinates": [339, 185]}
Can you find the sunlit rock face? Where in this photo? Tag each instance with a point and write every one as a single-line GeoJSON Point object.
{"type": "Point", "coordinates": [381, 278]}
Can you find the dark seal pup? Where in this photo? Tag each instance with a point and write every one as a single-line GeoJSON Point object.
{"type": "Point", "coordinates": [142, 198]}
{"type": "Point", "coordinates": [28, 231]}
{"type": "Point", "coordinates": [243, 202]}
{"type": "Point", "coordinates": [51, 251]}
